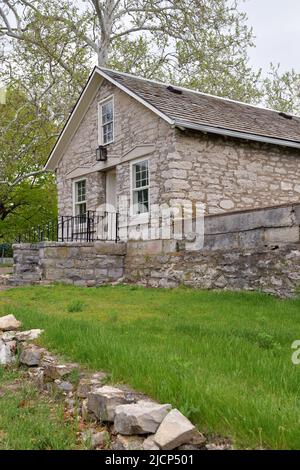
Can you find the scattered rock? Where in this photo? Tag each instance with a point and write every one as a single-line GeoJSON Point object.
{"type": "Point", "coordinates": [86, 415]}
{"type": "Point", "coordinates": [31, 356]}
{"type": "Point", "coordinates": [87, 383]}
{"type": "Point", "coordinates": [212, 446]}
{"type": "Point", "coordinates": [103, 402]}
{"type": "Point", "coordinates": [6, 355]}
{"type": "Point", "coordinates": [37, 376]}
{"type": "Point", "coordinates": [189, 447]}
{"type": "Point", "coordinates": [143, 417]}
{"type": "Point", "coordinates": [128, 443]}
{"type": "Point", "coordinates": [9, 322]}
{"type": "Point", "coordinates": [95, 439]}
{"type": "Point", "coordinates": [174, 431]}
{"type": "Point", "coordinates": [12, 346]}
{"type": "Point", "coordinates": [150, 444]}
{"type": "Point", "coordinates": [63, 385]}
{"type": "Point", "coordinates": [28, 335]}
{"type": "Point", "coordinates": [56, 371]}
{"type": "Point", "coordinates": [8, 336]}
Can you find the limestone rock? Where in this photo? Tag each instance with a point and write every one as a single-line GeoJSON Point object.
{"type": "Point", "coordinates": [6, 355]}
{"type": "Point", "coordinates": [143, 417]}
{"type": "Point", "coordinates": [8, 336]}
{"type": "Point", "coordinates": [150, 444]}
{"type": "Point", "coordinates": [95, 439]}
{"type": "Point", "coordinates": [63, 386]}
{"type": "Point", "coordinates": [31, 356]}
{"type": "Point", "coordinates": [29, 335]}
{"type": "Point", "coordinates": [103, 401]}
{"type": "Point", "coordinates": [174, 431]}
{"type": "Point", "coordinates": [128, 443]}
{"type": "Point", "coordinates": [9, 322]}
{"type": "Point", "coordinates": [56, 371]}
{"type": "Point", "coordinates": [37, 376]}
{"type": "Point", "coordinates": [86, 383]}
{"type": "Point", "coordinates": [12, 346]}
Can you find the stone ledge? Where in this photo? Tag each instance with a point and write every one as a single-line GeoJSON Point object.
{"type": "Point", "coordinates": [110, 248]}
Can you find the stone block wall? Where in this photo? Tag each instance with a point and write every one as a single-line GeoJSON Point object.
{"type": "Point", "coordinates": [251, 250]}
{"type": "Point", "coordinates": [82, 264]}
{"type": "Point", "coordinates": [229, 174]}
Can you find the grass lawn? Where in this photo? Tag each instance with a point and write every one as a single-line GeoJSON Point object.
{"type": "Point", "coordinates": [224, 359]}
{"type": "Point", "coordinates": [29, 421]}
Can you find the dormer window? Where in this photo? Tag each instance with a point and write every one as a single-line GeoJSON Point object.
{"type": "Point", "coordinates": [106, 121]}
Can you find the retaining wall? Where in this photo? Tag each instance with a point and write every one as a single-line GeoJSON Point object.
{"type": "Point", "coordinates": [84, 264]}
{"type": "Point", "coordinates": [250, 250]}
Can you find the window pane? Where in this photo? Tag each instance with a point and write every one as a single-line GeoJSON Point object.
{"type": "Point", "coordinates": [80, 209]}
{"type": "Point", "coordinates": [141, 201]}
{"type": "Point", "coordinates": [108, 133]}
{"type": "Point", "coordinates": [80, 193]}
{"type": "Point", "coordinates": [141, 174]}
{"type": "Point", "coordinates": [107, 112]}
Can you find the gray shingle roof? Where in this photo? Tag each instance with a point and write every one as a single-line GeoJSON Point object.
{"type": "Point", "coordinates": [192, 109]}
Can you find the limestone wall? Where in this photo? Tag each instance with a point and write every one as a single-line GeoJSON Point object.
{"type": "Point", "coordinates": [229, 174]}
{"type": "Point", "coordinates": [251, 250]}
{"type": "Point", "coordinates": [82, 264]}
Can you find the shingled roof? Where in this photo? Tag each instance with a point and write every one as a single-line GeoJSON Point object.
{"type": "Point", "coordinates": [186, 109]}
{"type": "Point", "coordinates": [196, 110]}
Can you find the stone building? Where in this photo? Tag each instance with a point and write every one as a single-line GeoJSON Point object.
{"type": "Point", "coordinates": [150, 143]}
{"type": "Point", "coordinates": [134, 148]}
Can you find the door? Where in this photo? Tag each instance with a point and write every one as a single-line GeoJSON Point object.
{"type": "Point", "coordinates": [111, 205]}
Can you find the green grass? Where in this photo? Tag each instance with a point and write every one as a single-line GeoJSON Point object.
{"type": "Point", "coordinates": [29, 421]}
{"type": "Point", "coordinates": [222, 358]}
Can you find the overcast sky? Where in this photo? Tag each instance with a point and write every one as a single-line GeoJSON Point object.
{"type": "Point", "coordinates": [276, 25]}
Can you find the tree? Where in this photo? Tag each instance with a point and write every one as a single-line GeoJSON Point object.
{"type": "Point", "coordinates": [201, 43]}
{"type": "Point", "coordinates": [282, 90]}
{"type": "Point", "coordinates": [27, 194]}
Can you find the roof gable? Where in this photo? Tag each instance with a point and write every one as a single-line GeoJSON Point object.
{"type": "Point", "coordinates": [186, 109]}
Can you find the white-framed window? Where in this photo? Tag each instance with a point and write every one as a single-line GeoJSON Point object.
{"type": "Point", "coordinates": [79, 197]}
{"type": "Point", "coordinates": [106, 121]}
{"type": "Point", "coordinates": [140, 187]}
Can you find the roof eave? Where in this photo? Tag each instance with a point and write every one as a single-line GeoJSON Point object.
{"type": "Point", "coordinates": [236, 134]}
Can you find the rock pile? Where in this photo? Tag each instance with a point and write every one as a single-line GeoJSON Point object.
{"type": "Point", "coordinates": [129, 420]}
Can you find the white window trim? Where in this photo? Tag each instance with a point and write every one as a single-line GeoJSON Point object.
{"type": "Point", "coordinates": [100, 126]}
{"type": "Point", "coordinates": [74, 193]}
{"type": "Point", "coordinates": [144, 217]}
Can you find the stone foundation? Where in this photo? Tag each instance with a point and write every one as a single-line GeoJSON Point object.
{"type": "Point", "coordinates": [249, 250]}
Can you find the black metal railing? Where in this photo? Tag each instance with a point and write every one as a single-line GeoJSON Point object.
{"type": "Point", "coordinates": [87, 227]}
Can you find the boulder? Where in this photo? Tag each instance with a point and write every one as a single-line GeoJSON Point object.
{"type": "Point", "coordinates": [103, 401]}
{"type": "Point", "coordinates": [128, 443]}
{"type": "Point", "coordinates": [29, 335]}
{"type": "Point", "coordinates": [150, 444]}
{"type": "Point", "coordinates": [174, 431]}
{"type": "Point", "coordinates": [6, 355]}
{"type": "Point", "coordinates": [31, 356]}
{"type": "Point", "coordinates": [9, 322]}
{"type": "Point", "coordinates": [56, 371]}
{"type": "Point", "coordinates": [143, 417]}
